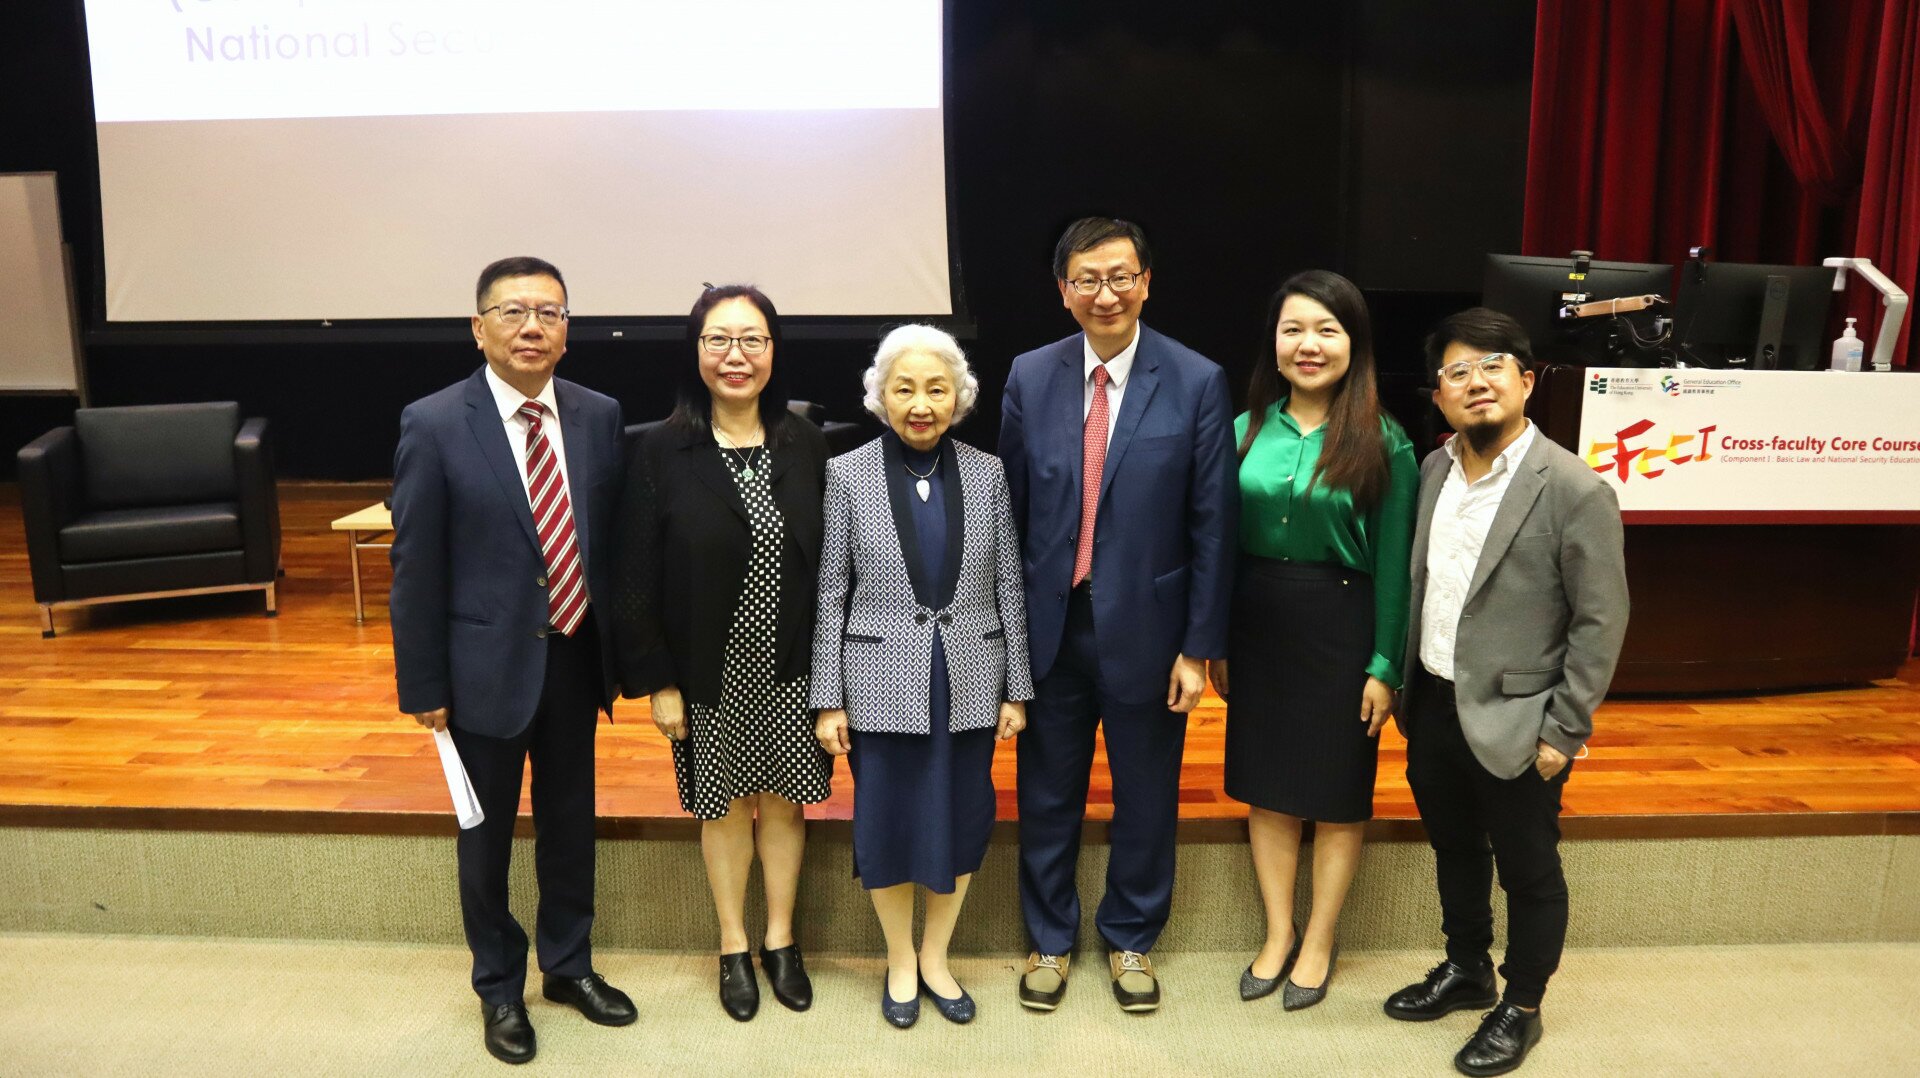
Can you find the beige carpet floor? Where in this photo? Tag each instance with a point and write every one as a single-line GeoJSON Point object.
{"type": "Point", "coordinates": [121, 1005]}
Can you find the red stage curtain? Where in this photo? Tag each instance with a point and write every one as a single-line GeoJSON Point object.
{"type": "Point", "coordinates": [1769, 130]}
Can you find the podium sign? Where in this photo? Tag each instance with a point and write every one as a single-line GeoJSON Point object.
{"type": "Point", "coordinates": [1699, 446]}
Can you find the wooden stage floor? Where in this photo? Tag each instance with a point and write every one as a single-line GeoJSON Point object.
{"type": "Point", "coordinates": [200, 712]}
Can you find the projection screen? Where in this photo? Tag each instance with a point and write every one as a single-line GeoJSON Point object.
{"type": "Point", "coordinates": [362, 159]}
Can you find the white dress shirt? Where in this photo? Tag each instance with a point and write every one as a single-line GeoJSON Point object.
{"type": "Point", "coordinates": [508, 400]}
{"type": "Point", "coordinates": [1117, 370]}
{"type": "Point", "coordinates": [1455, 539]}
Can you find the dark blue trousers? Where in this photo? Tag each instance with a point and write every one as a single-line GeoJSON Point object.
{"type": "Point", "coordinates": [1144, 744]}
{"type": "Point", "coordinates": [559, 741]}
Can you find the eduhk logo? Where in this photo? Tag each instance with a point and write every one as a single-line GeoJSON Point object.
{"type": "Point", "coordinates": [1597, 384]}
{"type": "Point", "coordinates": [1625, 458]}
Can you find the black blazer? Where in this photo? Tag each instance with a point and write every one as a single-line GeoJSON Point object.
{"type": "Point", "coordinates": [683, 545]}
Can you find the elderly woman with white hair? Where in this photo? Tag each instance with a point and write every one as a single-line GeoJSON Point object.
{"type": "Point", "coordinates": [920, 653]}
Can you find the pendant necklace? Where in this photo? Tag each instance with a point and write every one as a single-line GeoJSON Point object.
{"type": "Point", "coordinates": [746, 458]}
{"type": "Point", "coordinates": [920, 484]}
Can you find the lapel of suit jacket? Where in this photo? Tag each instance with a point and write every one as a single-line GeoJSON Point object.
{"type": "Point", "coordinates": [951, 494]}
{"type": "Point", "coordinates": [1141, 382]}
{"type": "Point", "coordinates": [893, 462]}
{"type": "Point", "coordinates": [1069, 421]}
{"type": "Point", "coordinates": [1529, 479]}
{"type": "Point", "coordinates": [580, 463]}
{"type": "Point", "coordinates": [703, 459]}
{"type": "Point", "coordinates": [1430, 483]}
{"type": "Point", "coordinates": [490, 434]}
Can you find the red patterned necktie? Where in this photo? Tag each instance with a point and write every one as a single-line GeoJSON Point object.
{"type": "Point", "coordinates": [1093, 461]}
{"type": "Point", "coordinates": [553, 519]}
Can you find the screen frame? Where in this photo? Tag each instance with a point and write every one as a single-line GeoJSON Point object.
{"type": "Point", "coordinates": [98, 330]}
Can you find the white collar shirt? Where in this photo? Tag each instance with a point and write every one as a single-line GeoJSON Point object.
{"type": "Point", "coordinates": [507, 400]}
{"type": "Point", "coordinates": [1455, 539]}
{"type": "Point", "coordinates": [1118, 368]}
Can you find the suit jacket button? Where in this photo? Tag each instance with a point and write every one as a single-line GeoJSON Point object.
{"type": "Point", "coordinates": [946, 619]}
{"type": "Point", "coordinates": [540, 580]}
{"type": "Point", "coordinates": [920, 618]}
{"type": "Point", "coordinates": [540, 634]}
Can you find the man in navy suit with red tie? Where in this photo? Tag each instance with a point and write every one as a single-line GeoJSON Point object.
{"type": "Point", "coordinates": [503, 490]}
{"type": "Point", "coordinates": [1118, 446]}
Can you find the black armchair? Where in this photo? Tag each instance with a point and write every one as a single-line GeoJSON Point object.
{"type": "Point", "coordinates": [150, 501]}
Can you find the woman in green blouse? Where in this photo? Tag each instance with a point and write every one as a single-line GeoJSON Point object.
{"type": "Point", "coordinates": [1327, 486]}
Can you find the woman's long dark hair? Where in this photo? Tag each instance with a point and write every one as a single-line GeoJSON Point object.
{"type": "Point", "coordinates": [1353, 452]}
{"type": "Point", "coordinates": [693, 404]}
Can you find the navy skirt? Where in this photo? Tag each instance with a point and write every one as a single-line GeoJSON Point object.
{"type": "Point", "coordinates": [923, 804]}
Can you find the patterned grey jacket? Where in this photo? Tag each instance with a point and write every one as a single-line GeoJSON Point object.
{"type": "Point", "coordinates": [873, 638]}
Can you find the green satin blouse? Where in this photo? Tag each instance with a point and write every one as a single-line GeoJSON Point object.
{"type": "Point", "coordinates": [1286, 516]}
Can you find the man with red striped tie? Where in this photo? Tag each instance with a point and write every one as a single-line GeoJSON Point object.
{"type": "Point", "coordinates": [503, 491]}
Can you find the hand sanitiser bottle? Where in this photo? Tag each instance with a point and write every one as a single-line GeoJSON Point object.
{"type": "Point", "coordinates": [1847, 349]}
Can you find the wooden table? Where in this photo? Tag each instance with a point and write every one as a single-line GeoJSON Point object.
{"type": "Point", "coordinates": [373, 521]}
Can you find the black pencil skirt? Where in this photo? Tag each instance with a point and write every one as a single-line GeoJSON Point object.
{"type": "Point", "coordinates": [1297, 662]}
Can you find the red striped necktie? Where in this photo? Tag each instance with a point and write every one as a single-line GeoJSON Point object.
{"type": "Point", "coordinates": [553, 519]}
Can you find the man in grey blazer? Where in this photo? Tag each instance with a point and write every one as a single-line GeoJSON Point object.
{"type": "Point", "coordinates": [1519, 607]}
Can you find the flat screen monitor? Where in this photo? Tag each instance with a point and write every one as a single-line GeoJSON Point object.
{"type": "Point", "coordinates": [1745, 315]}
{"type": "Point", "coordinates": [1532, 290]}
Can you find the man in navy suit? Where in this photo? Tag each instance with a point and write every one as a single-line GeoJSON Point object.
{"type": "Point", "coordinates": [503, 490]}
{"type": "Point", "coordinates": [1118, 446]}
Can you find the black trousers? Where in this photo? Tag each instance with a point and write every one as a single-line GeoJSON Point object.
{"type": "Point", "coordinates": [1054, 763]}
{"type": "Point", "coordinates": [559, 741]}
{"type": "Point", "coordinates": [1477, 823]}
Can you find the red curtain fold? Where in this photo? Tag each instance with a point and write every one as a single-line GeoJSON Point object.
{"type": "Point", "coordinates": [1774, 44]}
{"type": "Point", "coordinates": [1769, 130]}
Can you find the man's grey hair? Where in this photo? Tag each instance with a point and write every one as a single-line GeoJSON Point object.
{"type": "Point", "coordinates": [920, 338]}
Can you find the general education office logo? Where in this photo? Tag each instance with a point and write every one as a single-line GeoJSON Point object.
{"type": "Point", "coordinates": [1670, 385]}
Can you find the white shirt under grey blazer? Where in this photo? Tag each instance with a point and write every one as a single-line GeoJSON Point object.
{"type": "Point", "coordinates": [873, 638]}
{"type": "Point", "coordinates": [1544, 612]}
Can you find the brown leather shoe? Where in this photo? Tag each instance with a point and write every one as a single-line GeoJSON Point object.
{"type": "Point", "coordinates": [1045, 981]}
{"type": "Point", "coordinates": [1134, 983]}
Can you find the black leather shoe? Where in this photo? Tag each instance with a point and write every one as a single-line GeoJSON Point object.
{"type": "Point", "coordinates": [788, 977]}
{"type": "Point", "coordinates": [592, 996]}
{"type": "Point", "coordinates": [958, 1011]}
{"type": "Point", "coordinates": [739, 991]}
{"type": "Point", "coordinates": [1449, 987]}
{"type": "Point", "coordinates": [509, 1035]}
{"type": "Point", "coordinates": [898, 1015]}
{"type": "Point", "coordinates": [1502, 1042]}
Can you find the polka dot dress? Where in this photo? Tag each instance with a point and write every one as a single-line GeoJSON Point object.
{"type": "Point", "coordinates": [760, 737]}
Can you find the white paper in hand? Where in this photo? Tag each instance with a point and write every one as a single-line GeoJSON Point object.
{"type": "Point", "coordinates": [466, 804]}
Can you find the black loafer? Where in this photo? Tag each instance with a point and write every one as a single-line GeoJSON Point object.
{"type": "Point", "coordinates": [739, 991]}
{"type": "Point", "coordinates": [1449, 987]}
{"type": "Point", "coordinates": [592, 996]}
{"type": "Point", "coordinates": [509, 1036]}
{"type": "Point", "coordinates": [958, 1011]}
{"type": "Point", "coordinates": [898, 1015]}
{"type": "Point", "coordinates": [788, 976]}
{"type": "Point", "coordinates": [1502, 1042]}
